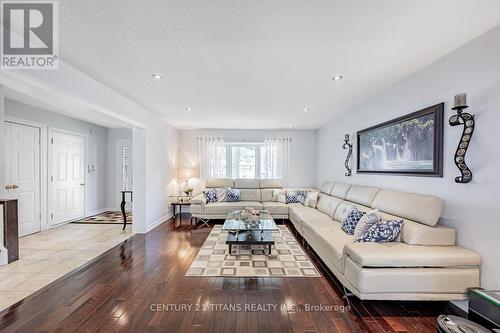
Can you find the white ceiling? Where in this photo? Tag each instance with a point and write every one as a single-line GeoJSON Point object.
{"type": "Point", "coordinates": [258, 64]}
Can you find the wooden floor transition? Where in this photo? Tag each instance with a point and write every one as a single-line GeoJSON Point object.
{"type": "Point", "coordinates": [118, 290]}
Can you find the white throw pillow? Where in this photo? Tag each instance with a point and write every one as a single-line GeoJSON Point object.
{"type": "Point", "coordinates": [367, 221]}
{"type": "Point", "coordinates": [279, 196]}
{"type": "Point", "coordinates": [311, 199]}
{"type": "Point", "coordinates": [221, 194]}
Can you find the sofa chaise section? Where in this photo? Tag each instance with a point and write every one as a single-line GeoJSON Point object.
{"type": "Point", "coordinates": [423, 264]}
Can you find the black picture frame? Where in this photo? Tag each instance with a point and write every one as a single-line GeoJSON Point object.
{"type": "Point", "coordinates": [437, 111]}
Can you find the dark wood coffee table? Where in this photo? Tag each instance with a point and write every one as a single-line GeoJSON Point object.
{"type": "Point", "coordinates": [242, 233]}
{"type": "Point", "coordinates": [249, 237]}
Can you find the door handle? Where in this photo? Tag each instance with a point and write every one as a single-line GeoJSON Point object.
{"type": "Point", "coordinates": [8, 187]}
{"type": "Point", "coordinates": [14, 186]}
{"type": "Point", "coordinates": [82, 184]}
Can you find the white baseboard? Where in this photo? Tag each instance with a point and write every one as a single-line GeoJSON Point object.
{"type": "Point", "coordinates": [159, 221]}
{"type": "Point", "coordinates": [89, 214]}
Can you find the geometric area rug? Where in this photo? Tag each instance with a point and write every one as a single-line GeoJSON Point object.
{"type": "Point", "coordinates": [106, 218]}
{"type": "Point", "coordinates": [287, 258]}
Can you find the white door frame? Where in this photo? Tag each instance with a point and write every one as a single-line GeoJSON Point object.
{"type": "Point", "coordinates": [44, 225]}
{"type": "Point", "coordinates": [51, 130]}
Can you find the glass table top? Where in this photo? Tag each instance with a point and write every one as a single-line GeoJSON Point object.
{"type": "Point", "coordinates": [492, 296]}
{"type": "Point", "coordinates": [236, 222]}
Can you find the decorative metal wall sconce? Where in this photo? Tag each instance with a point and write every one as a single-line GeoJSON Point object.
{"type": "Point", "coordinates": [347, 145]}
{"type": "Point", "coordinates": [466, 119]}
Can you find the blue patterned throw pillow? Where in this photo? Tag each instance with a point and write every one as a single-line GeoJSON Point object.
{"type": "Point", "coordinates": [382, 232]}
{"type": "Point", "coordinates": [210, 195]}
{"type": "Point", "coordinates": [233, 195]}
{"type": "Point", "coordinates": [297, 196]}
{"type": "Point", "coordinates": [351, 219]}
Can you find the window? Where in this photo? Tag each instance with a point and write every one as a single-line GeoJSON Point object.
{"type": "Point", "coordinates": [265, 160]}
{"type": "Point", "coordinates": [125, 169]}
{"type": "Point", "coordinates": [244, 160]}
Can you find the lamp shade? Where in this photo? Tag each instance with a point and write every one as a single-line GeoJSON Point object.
{"type": "Point", "coordinates": [186, 173]}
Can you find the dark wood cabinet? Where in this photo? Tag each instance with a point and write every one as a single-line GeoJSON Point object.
{"type": "Point", "coordinates": [10, 228]}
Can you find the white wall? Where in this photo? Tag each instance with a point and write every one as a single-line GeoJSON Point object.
{"type": "Point", "coordinates": [113, 135]}
{"type": "Point", "coordinates": [303, 149]}
{"type": "Point", "coordinates": [470, 208]}
{"type": "Point", "coordinates": [95, 183]}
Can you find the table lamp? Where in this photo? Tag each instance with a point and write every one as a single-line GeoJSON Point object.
{"type": "Point", "coordinates": [185, 174]}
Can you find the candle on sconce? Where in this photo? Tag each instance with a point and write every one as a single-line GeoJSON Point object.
{"type": "Point", "coordinates": [460, 101]}
{"type": "Point", "coordinates": [347, 137]}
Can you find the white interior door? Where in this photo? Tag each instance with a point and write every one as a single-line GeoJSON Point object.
{"type": "Point", "coordinates": [23, 174]}
{"type": "Point", "coordinates": [67, 177]}
{"type": "Point", "coordinates": [124, 170]}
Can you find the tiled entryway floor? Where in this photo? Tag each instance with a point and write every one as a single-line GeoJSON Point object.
{"type": "Point", "coordinates": [46, 256]}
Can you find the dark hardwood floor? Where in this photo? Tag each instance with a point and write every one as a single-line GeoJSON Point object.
{"type": "Point", "coordinates": [117, 291]}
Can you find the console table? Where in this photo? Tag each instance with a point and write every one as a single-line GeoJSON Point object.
{"type": "Point", "coordinates": [122, 206]}
{"type": "Point", "coordinates": [10, 228]}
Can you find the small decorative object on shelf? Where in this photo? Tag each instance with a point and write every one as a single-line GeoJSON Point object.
{"type": "Point", "coordinates": [468, 122]}
{"type": "Point", "coordinates": [347, 145]}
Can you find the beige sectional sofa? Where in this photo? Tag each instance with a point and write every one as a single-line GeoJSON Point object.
{"type": "Point", "coordinates": [255, 193]}
{"type": "Point", "coordinates": [423, 264]}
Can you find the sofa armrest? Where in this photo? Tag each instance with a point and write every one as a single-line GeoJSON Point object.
{"type": "Point", "coordinates": [404, 255]}
{"type": "Point", "coordinates": [199, 200]}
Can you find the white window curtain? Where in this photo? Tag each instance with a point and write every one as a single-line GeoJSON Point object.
{"type": "Point", "coordinates": [212, 158]}
{"type": "Point", "coordinates": [276, 159]}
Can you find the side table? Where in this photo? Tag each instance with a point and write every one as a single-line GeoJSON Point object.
{"type": "Point", "coordinates": [180, 204]}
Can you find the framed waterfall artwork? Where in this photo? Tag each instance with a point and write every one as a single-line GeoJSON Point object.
{"type": "Point", "coordinates": [409, 145]}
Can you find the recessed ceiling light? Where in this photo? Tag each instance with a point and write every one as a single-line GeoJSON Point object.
{"type": "Point", "coordinates": [189, 109]}
{"type": "Point", "coordinates": [337, 78]}
{"type": "Point", "coordinates": [306, 109]}
{"type": "Point", "coordinates": [157, 76]}
{"type": "Point", "coordinates": [203, 125]}
{"type": "Point", "coordinates": [290, 126]}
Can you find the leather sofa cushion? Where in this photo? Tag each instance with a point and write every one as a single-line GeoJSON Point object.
{"type": "Point", "coordinates": [271, 183]}
{"type": "Point", "coordinates": [247, 183]}
{"type": "Point", "coordinates": [326, 187]}
{"type": "Point", "coordinates": [250, 195]}
{"type": "Point", "coordinates": [199, 200]}
{"type": "Point", "coordinates": [297, 223]}
{"type": "Point", "coordinates": [405, 282]}
{"type": "Point", "coordinates": [426, 209]}
{"type": "Point", "coordinates": [196, 209]}
{"type": "Point", "coordinates": [404, 255]}
{"type": "Point", "coordinates": [419, 234]}
{"type": "Point", "coordinates": [219, 182]}
{"type": "Point", "coordinates": [327, 239]}
{"type": "Point", "coordinates": [266, 195]}
{"type": "Point", "coordinates": [362, 195]}
{"type": "Point", "coordinates": [327, 204]}
{"type": "Point", "coordinates": [222, 208]}
{"type": "Point", "coordinates": [276, 208]}
{"type": "Point", "coordinates": [340, 190]}
{"type": "Point", "coordinates": [415, 233]}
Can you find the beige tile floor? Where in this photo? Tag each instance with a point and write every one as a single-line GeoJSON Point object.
{"type": "Point", "coordinates": [46, 256]}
